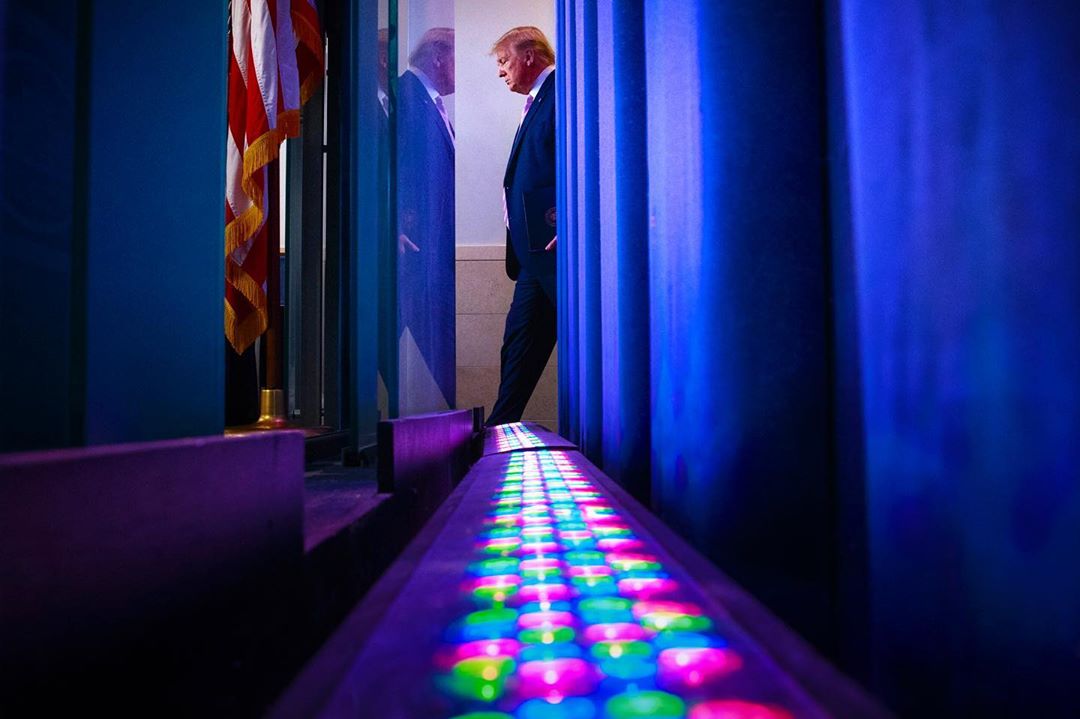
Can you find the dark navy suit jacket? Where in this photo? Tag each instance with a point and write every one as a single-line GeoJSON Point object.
{"type": "Point", "coordinates": [531, 170]}
{"type": "Point", "coordinates": [425, 188]}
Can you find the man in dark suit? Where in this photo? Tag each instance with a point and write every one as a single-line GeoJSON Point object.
{"type": "Point", "coordinates": [526, 64]}
{"type": "Point", "coordinates": [426, 224]}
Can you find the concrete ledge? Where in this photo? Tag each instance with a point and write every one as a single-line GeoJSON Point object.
{"type": "Point", "coordinates": [106, 549]}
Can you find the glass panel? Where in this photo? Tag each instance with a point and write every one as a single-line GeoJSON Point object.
{"type": "Point", "coordinates": [425, 209]}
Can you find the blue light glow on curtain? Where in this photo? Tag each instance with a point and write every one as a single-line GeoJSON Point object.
{"type": "Point", "coordinates": [820, 305]}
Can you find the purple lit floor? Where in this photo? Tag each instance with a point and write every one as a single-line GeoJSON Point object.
{"type": "Point", "coordinates": [335, 497]}
{"type": "Point", "coordinates": [539, 590]}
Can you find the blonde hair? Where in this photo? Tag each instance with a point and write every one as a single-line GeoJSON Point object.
{"type": "Point", "coordinates": [524, 38]}
{"type": "Point", "coordinates": [438, 42]}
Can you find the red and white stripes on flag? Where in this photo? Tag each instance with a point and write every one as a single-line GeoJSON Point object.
{"type": "Point", "coordinates": [309, 53]}
{"type": "Point", "coordinates": [264, 109]}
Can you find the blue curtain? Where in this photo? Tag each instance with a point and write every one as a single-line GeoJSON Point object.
{"type": "Point", "coordinates": [604, 366]}
{"type": "Point", "coordinates": [820, 282]}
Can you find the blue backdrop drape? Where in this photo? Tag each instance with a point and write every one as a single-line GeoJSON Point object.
{"type": "Point", "coordinates": [820, 282]}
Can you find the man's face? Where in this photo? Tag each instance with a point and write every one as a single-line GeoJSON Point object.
{"type": "Point", "coordinates": [446, 75]}
{"type": "Point", "coordinates": [516, 69]}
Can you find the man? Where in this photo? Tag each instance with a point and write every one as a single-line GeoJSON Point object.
{"type": "Point", "coordinates": [526, 64]}
{"type": "Point", "coordinates": [426, 227]}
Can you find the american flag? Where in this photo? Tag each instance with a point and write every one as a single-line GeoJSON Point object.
{"type": "Point", "coordinates": [275, 62]}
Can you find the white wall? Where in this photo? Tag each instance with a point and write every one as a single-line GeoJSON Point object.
{"type": "Point", "coordinates": [487, 113]}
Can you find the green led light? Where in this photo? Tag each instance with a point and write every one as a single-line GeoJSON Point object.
{"type": "Point", "coordinates": [482, 678]}
{"type": "Point", "coordinates": [501, 532]}
{"type": "Point", "coordinates": [654, 705]}
{"type": "Point", "coordinates": [496, 595]}
{"type": "Point", "coordinates": [552, 635]}
{"type": "Point", "coordinates": [541, 575]}
{"type": "Point", "coordinates": [635, 565]}
{"type": "Point", "coordinates": [677, 623]}
{"type": "Point", "coordinates": [491, 616]}
{"type": "Point", "coordinates": [617, 650]}
{"type": "Point", "coordinates": [499, 565]}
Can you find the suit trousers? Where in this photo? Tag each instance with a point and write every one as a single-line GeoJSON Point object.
{"type": "Point", "coordinates": [527, 343]}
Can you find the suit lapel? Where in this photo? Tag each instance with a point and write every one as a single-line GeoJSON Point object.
{"type": "Point", "coordinates": [432, 111]}
{"type": "Point", "coordinates": [534, 110]}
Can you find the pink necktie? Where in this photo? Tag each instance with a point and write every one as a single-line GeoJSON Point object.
{"type": "Point", "coordinates": [445, 118]}
{"type": "Point", "coordinates": [524, 112]}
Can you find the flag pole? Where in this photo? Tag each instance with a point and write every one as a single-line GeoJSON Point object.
{"type": "Point", "coordinates": [272, 393]}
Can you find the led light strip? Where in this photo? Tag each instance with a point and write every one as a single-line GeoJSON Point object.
{"type": "Point", "coordinates": [575, 618]}
{"type": "Point", "coordinates": [514, 436]}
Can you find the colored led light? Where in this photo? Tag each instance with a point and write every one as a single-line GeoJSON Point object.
{"type": "Point", "coordinates": [528, 565]}
{"type": "Point", "coordinates": [544, 593]}
{"type": "Point", "coordinates": [491, 567]}
{"type": "Point", "coordinates": [735, 709]}
{"type": "Point", "coordinates": [661, 621]}
{"type": "Point", "coordinates": [595, 586]}
{"type": "Point", "coordinates": [619, 544]}
{"type": "Point", "coordinates": [479, 678]}
{"type": "Point", "coordinates": [629, 668]}
{"type": "Point", "coordinates": [500, 546]}
{"type": "Point", "coordinates": [613, 604]}
{"type": "Point", "coordinates": [487, 624]}
{"type": "Point", "coordinates": [686, 640]}
{"type": "Point", "coordinates": [619, 649]}
{"type": "Point", "coordinates": [547, 619]}
{"type": "Point", "coordinates": [546, 635]}
{"type": "Point", "coordinates": [616, 631]}
{"type": "Point", "coordinates": [647, 587]}
{"type": "Point", "coordinates": [638, 705]}
{"type": "Point", "coordinates": [556, 678]}
{"type": "Point", "coordinates": [585, 557]}
{"type": "Point", "coordinates": [541, 575]}
{"type": "Point", "coordinates": [551, 536]}
{"type": "Point", "coordinates": [590, 570]}
{"type": "Point", "coordinates": [490, 648]}
{"type": "Point", "coordinates": [483, 715]}
{"type": "Point", "coordinates": [558, 708]}
{"type": "Point", "coordinates": [547, 652]}
{"type": "Point", "coordinates": [682, 669]}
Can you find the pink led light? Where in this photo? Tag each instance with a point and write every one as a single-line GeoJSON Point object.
{"type": "Point", "coordinates": [619, 544]}
{"type": "Point", "coordinates": [576, 534]}
{"type": "Point", "coordinates": [628, 558]}
{"type": "Point", "coordinates": [647, 587]}
{"type": "Point", "coordinates": [688, 668]}
{"type": "Point", "coordinates": [495, 581]}
{"type": "Point", "coordinates": [556, 678]}
{"type": "Point", "coordinates": [543, 593]}
{"type": "Point", "coordinates": [492, 648]}
{"type": "Point", "coordinates": [640, 609]}
{"type": "Point", "coordinates": [539, 547]}
{"type": "Point", "coordinates": [735, 709]}
{"type": "Point", "coordinates": [594, 570]}
{"type": "Point", "coordinates": [545, 620]}
{"type": "Point", "coordinates": [615, 632]}
{"type": "Point", "coordinates": [527, 565]}
{"type": "Point", "coordinates": [537, 519]}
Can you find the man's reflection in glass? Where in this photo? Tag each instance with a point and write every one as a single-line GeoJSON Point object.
{"type": "Point", "coordinates": [426, 225]}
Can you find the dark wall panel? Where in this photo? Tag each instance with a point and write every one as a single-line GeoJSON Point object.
{"type": "Point", "coordinates": [155, 262]}
{"type": "Point", "coordinates": [38, 46]}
